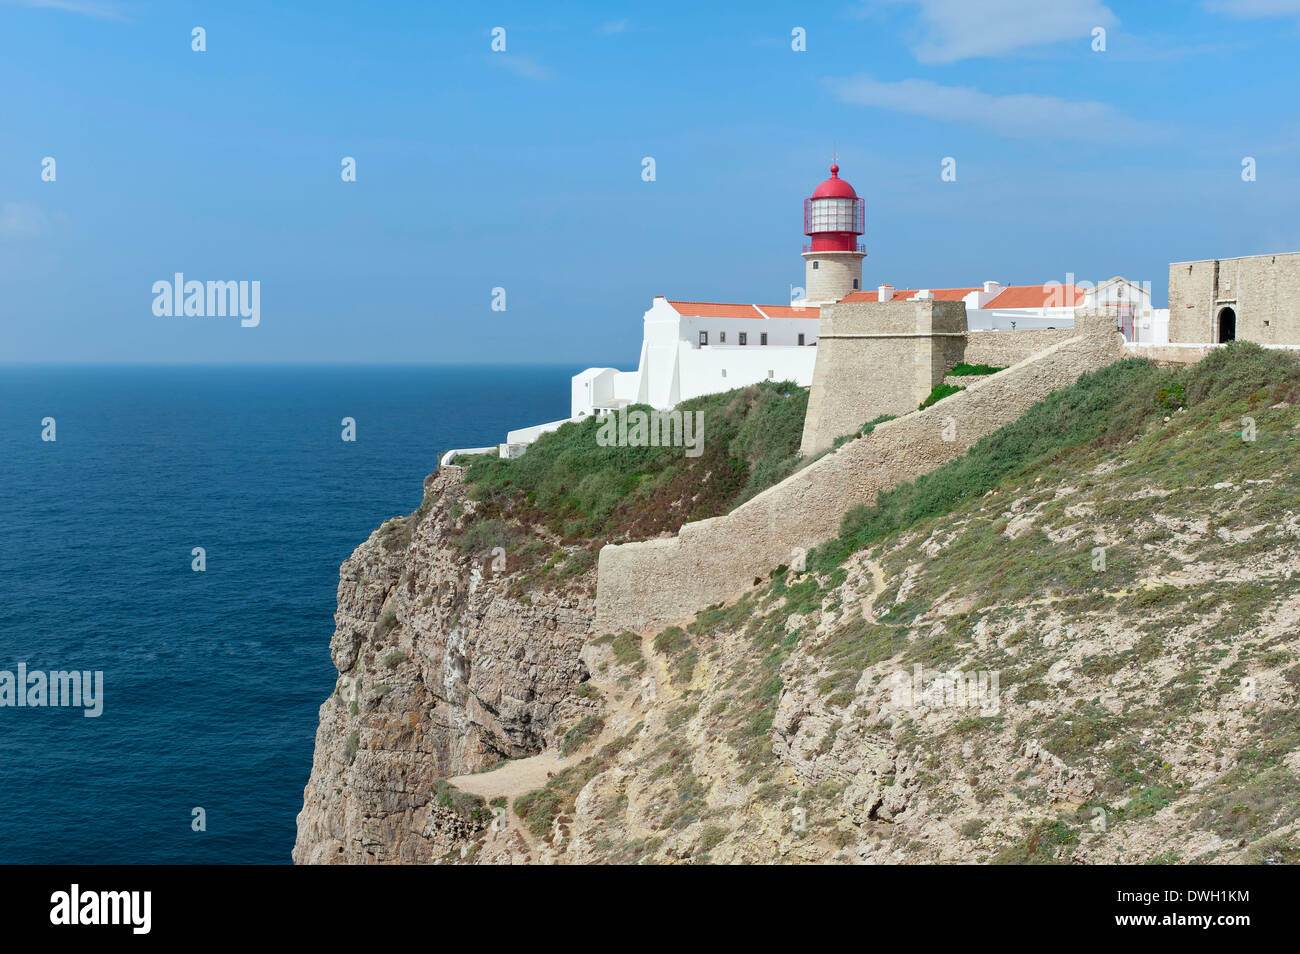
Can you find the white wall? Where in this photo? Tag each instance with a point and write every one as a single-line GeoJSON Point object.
{"type": "Point", "coordinates": [1152, 326]}
{"type": "Point", "coordinates": [708, 371]}
{"type": "Point", "coordinates": [675, 367]}
{"type": "Point", "coordinates": [779, 331]}
{"type": "Point", "coordinates": [1116, 293]}
{"type": "Point", "coordinates": [985, 319]}
{"type": "Point", "coordinates": [526, 435]}
{"type": "Point", "coordinates": [590, 389]}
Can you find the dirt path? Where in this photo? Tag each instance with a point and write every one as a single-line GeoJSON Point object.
{"type": "Point", "coordinates": [877, 578]}
{"type": "Point", "coordinates": [516, 776]}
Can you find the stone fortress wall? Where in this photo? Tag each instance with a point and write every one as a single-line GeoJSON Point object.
{"type": "Point", "coordinates": [1262, 290]}
{"type": "Point", "coordinates": [1002, 349]}
{"type": "Point", "coordinates": [653, 583]}
{"type": "Point", "coordinates": [877, 358]}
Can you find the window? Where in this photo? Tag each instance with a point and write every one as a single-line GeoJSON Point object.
{"type": "Point", "coordinates": [704, 337]}
{"type": "Point", "coordinates": [744, 338]}
{"type": "Point", "coordinates": [722, 337]}
{"type": "Point", "coordinates": [855, 284]}
{"type": "Point", "coordinates": [801, 341]}
{"type": "Point", "coordinates": [762, 338]}
{"type": "Point", "coordinates": [814, 263]}
{"type": "Point", "coordinates": [835, 215]}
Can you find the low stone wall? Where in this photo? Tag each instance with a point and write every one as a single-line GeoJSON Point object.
{"type": "Point", "coordinates": [1169, 353]}
{"type": "Point", "coordinates": [1178, 353]}
{"type": "Point", "coordinates": [648, 585]}
{"type": "Point", "coordinates": [1005, 348]}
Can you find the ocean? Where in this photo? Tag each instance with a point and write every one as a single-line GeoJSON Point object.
{"type": "Point", "coordinates": [212, 679]}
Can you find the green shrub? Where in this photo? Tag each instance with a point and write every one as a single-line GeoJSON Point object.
{"type": "Point", "coordinates": [626, 647]}
{"type": "Point", "coordinates": [710, 838]}
{"type": "Point", "coordinates": [582, 733]}
{"type": "Point", "coordinates": [395, 534]}
{"type": "Point", "coordinates": [940, 392]}
{"type": "Point", "coordinates": [471, 807]}
{"type": "Point", "coordinates": [672, 641]}
{"type": "Point", "coordinates": [963, 369]}
{"type": "Point", "coordinates": [863, 431]}
{"type": "Point", "coordinates": [580, 561]}
{"type": "Point", "coordinates": [486, 534]}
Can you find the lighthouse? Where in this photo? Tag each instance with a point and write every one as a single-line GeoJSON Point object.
{"type": "Point", "coordinates": [834, 217]}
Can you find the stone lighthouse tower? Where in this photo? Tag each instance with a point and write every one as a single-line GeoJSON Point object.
{"type": "Point", "coordinates": [833, 218]}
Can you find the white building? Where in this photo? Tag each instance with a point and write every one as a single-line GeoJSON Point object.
{"type": "Point", "coordinates": [1131, 303]}
{"type": "Point", "coordinates": [690, 348]}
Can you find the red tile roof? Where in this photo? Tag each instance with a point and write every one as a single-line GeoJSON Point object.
{"type": "Point", "coordinates": [1039, 296]}
{"type": "Point", "coordinates": [1013, 296]}
{"type": "Point", "coordinates": [716, 309]}
{"type": "Point", "coordinates": [789, 311]}
{"type": "Point", "coordinates": [712, 309]}
{"type": "Point", "coordinates": [902, 294]}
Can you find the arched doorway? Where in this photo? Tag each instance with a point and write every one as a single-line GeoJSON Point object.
{"type": "Point", "coordinates": [1227, 325]}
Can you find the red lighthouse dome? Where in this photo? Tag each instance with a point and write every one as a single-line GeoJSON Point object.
{"type": "Point", "coordinates": [834, 216]}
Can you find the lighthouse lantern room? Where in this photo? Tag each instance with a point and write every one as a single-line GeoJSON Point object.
{"type": "Point", "coordinates": [833, 217]}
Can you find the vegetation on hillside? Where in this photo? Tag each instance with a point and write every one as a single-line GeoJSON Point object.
{"type": "Point", "coordinates": [581, 491]}
{"type": "Point", "coordinates": [1186, 476]}
{"type": "Point", "coordinates": [1102, 409]}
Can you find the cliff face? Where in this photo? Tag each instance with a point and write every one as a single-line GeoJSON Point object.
{"type": "Point", "coordinates": [1077, 643]}
{"type": "Point", "coordinates": [440, 672]}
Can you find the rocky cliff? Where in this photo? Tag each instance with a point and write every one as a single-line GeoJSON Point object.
{"type": "Point", "coordinates": [441, 672]}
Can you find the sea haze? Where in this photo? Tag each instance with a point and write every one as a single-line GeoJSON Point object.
{"type": "Point", "coordinates": [212, 680]}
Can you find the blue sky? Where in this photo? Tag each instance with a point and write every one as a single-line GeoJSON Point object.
{"type": "Point", "coordinates": [522, 169]}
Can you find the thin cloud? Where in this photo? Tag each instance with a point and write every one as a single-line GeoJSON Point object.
{"type": "Point", "coordinates": [611, 27]}
{"type": "Point", "coordinates": [19, 220]}
{"type": "Point", "coordinates": [952, 30]}
{"type": "Point", "coordinates": [1165, 48]}
{"type": "Point", "coordinates": [1250, 9]}
{"type": "Point", "coordinates": [521, 66]}
{"type": "Point", "coordinates": [1021, 115]}
{"type": "Point", "coordinates": [98, 9]}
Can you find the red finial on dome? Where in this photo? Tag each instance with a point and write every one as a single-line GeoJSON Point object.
{"type": "Point", "coordinates": [834, 187]}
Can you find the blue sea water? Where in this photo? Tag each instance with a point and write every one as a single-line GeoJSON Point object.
{"type": "Point", "coordinates": [212, 680]}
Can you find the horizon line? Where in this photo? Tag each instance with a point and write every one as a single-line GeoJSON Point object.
{"type": "Point", "coordinates": [291, 364]}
